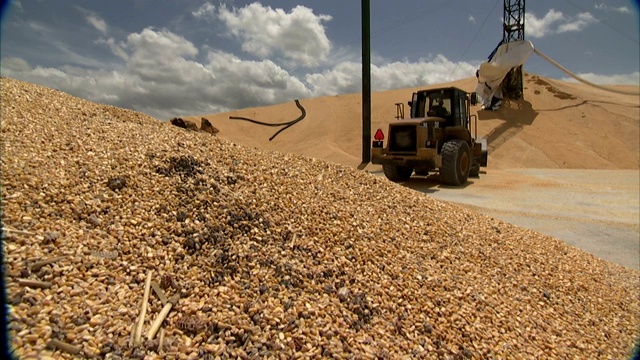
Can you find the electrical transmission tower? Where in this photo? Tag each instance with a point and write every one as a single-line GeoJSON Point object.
{"type": "Point", "coordinates": [513, 30]}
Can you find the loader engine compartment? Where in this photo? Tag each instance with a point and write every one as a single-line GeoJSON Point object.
{"type": "Point", "coordinates": [403, 139]}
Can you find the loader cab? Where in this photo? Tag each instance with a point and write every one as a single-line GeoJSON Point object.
{"type": "Point", "coordinates": [450, 104]}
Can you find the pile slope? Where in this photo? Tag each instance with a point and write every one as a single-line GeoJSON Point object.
{"type": "Point", "coordinates": [557, 125]}
{"type": "Point", "coordinates": [271, 254]}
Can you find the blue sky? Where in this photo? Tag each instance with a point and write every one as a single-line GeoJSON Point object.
{"type": "Point", "coordinates": [183, 57]}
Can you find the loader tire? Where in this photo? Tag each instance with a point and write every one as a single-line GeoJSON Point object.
{"type": "Point", "coordinates": [397, 173]}
{"type": "Point", "coordinates": [456, 162]}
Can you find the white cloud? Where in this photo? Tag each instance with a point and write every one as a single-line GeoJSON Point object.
{"type": "Point", "coordinates": [298, 36]}
{"type": "Point", "coordinates": [346, 77]}
{"type": "Point", "coordinates": [174, 85]}
{"type": "Point", "coordinates": [161, 44]}
{"type": "Point", "coordinates": [98, 86]}
{"type": "Point", "coordinates": [163, 74]}
{"type": "Point", "coordinates": [240, 83]}
{"type": "Point", "coordinates": [343, 78]}
{"type": "Point", "coordinates": [116, 48]}
{"type": "Point", "coordinates": [161, 78]}
{"type": "Point", "coordinates": [97, 23]}
{"type": "Point", "coordinates": [163, 57]}
{"type": "Point", "coordinates": [577, 24]}
{"type": "Point", "coordinates": [538, 28]}
{"type": "Point", "coordinates": [94, 20]}
{"type": "Point", "coordinates": [204, 12]}
{"type": "Point", "coordinates": [615, 79]}
{"type": "Point", "coordinates": [607, 8]}
{"type": "Point", "coordinates": [15, 64]}
{"type": "Point", "coordinates": [555, 22]}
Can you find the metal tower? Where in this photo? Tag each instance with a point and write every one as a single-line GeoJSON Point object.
{"type": "Point", "coordinates": [513, 30]}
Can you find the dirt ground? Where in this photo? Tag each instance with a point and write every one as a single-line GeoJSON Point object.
{"type": "Point", "coordinates": [595, 210]}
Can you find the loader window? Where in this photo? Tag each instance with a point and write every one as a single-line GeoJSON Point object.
{"type": "Point", "coordinates": [439, 107]}
{"type": "Point", "coordinates": [463, 112]}
{"type": "Point", "coordinates": [418, 105]}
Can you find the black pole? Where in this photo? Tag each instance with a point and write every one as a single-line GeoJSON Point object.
{"type": "Point", "coordinates": [366, 82]}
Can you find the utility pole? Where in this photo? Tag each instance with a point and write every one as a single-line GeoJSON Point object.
{"type": "Point", "coordinates": [366, 83]}
{"type": "Point", "coordinates": [513, 30]}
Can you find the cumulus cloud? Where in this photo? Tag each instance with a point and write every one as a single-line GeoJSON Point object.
{"type": "Point", "coordinates": [160, 77]}
{"type": "Point", "coordinates": [297, 36]}
{"type": "Point", "coordinates": [347, 77]}
{"type": "Point", "coordinates": [164, 44]}
{"type": "Point", "coordinates": [615, 79]}
{"type": "Point", "coordinates": [204, 12]}
{"type": "Point", "coordinates": [164, 74]}
{"type": "Point", "coordinates": [343, 78]}
{"type": "Point", "coordinates": [94, 20]}
{"type": "Point", "coordinates": [15, 64]}
{"type": "Point", "coordinates": [555, 22]}
{"type": "Point", "coordinates": [538, 28]}
{"type": "Point", "coordinates": [162, 56]}
{"type": "Point", "coordinates": [97, 23]}
{"type": "Point", "coordinates": [116, 48]}
{"type": "Point", "coordinates": [607, 8]}
{"type": "Point", "coordinates": [98, 86]}
{"type": "Point", "coordinates": [240, 83]}
{"type": "Point", "coordinates": [578, 23]}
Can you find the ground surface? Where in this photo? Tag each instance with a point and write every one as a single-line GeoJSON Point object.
{"type": "Point", "coordinates": [595, 210]}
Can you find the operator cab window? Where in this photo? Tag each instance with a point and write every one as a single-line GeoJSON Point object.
{"type": "Point", "coordinates": [419, 104]}
{"type": "Point", "coordinates": [463, 111]}
{"type": "Point", "coordinates": [439, 106]}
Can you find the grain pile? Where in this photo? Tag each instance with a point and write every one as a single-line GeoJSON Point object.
{"type": "Point", "coordinates": [558, 125]}
{"type": "Point", "coordinates": [271, 255]}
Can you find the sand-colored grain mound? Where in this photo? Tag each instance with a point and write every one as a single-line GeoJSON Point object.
{"type": "Point", "coordinates": [557, 125]}
{"type": "Point", "coordinates": [271, 255]}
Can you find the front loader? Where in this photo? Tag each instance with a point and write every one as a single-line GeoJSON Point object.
{"type": "Point", "coordinates": [437, 137]}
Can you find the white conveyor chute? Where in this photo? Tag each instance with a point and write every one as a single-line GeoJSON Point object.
{"type": "Point", "coordinates": [491, 73]}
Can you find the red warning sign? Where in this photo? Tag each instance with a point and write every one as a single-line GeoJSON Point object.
{"type": "Point", "coordinates": [379, 135]}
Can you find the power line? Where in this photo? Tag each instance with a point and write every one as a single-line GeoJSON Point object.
{"type": "Point", "coordinates": [475, 36]}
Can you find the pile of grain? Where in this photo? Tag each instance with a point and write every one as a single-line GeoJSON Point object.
{"type": "Point", "coordinates": [271, 255]}
{"type": "Point", "coordinates": [558, 125]}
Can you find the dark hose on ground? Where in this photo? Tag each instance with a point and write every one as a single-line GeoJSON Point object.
{"type": "Point", "coordinates": [286, 124]}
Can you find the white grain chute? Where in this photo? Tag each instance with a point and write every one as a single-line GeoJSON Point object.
{"type": "Point", "coordinates": [491, 73]}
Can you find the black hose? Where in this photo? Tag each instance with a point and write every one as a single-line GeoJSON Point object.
{"type": "Point", "coordinates": [288, 123]}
